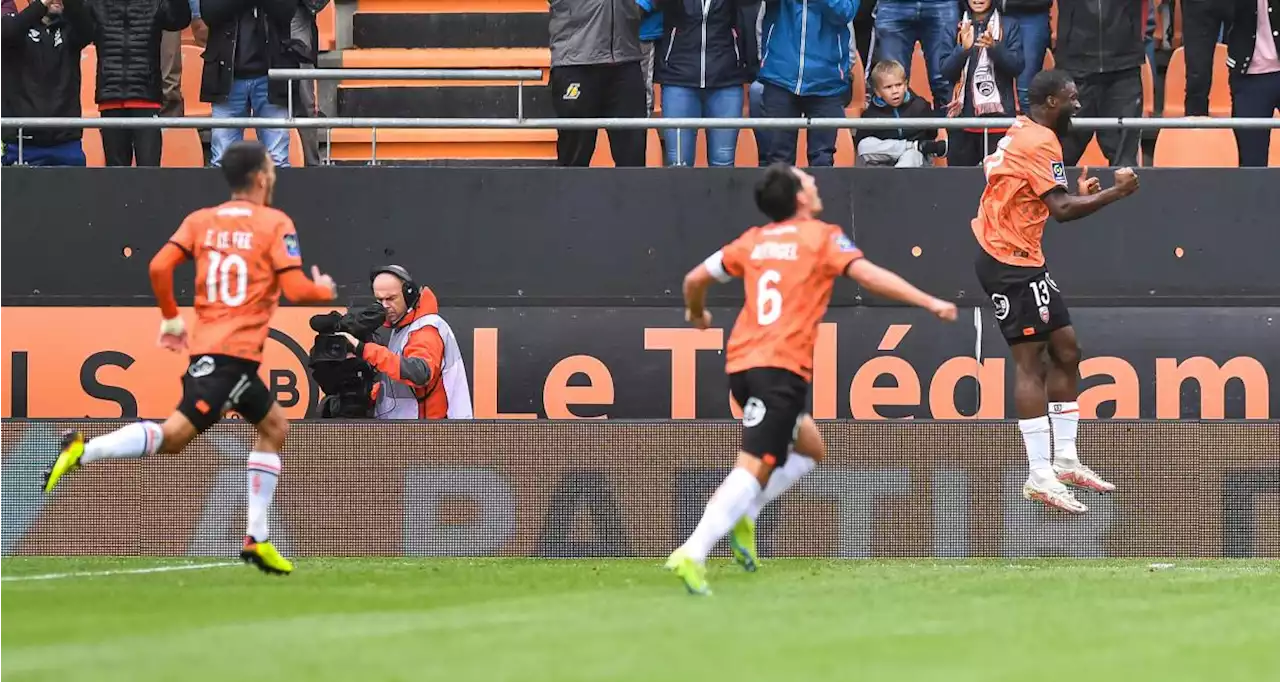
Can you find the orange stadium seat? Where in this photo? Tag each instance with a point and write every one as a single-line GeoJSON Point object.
{"type": "Point", "coordinates": [182, 149]}
{"type": "Point", "coordinates": [88, 80]}
{"type": "Point", "coordinates": [192, 71]}
{"type": "Point", "coordinates": [1175, 84]}
{"type": "Point", "coordinates": [1188, 148]}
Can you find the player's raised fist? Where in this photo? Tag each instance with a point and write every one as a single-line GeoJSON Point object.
{"type": "Point", "coordinates": [1087, 185]}
{"type": "Point", "coordinates": [1126, 181]}
{"type": "Point", "coordinates": [702, 321]}
{"type": "Point", "coordinates": [325, 281]}
{"type": "Point", "coordinates": [944, 310]}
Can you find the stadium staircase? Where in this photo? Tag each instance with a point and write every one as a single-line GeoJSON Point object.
{"type": "Point", "coordinates": [446, 34]}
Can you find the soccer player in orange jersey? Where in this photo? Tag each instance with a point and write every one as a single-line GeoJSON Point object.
{"type": "Point", "coordinates": [246, 254]}
{"type": "Point", "coordinates": [1027, 183]}
{"type": "Point", "coordinates": [788, 268]}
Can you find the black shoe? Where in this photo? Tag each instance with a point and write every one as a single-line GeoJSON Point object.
{"type": "Point", "coordinates": [934, 148]}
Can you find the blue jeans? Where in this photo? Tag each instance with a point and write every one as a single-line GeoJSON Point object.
{"type": "Point", "coordinates": [69, 153]}
{"type": "Point", "coordinates": [782, 103]}
{"type": "Point", "coordinates": [722, 143]}
{"type": "Point", "coordinates": [900, 24]}
{"type": "Point", "coordinates": [1034, 29]}
{"type": "Point", "coordinates": [249, 97]}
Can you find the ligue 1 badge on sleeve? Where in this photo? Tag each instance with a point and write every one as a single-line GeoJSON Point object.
{"type": "Point", "coordinates": [1059, 172]}
{"type": "Point", "coordinates": [291, 246]}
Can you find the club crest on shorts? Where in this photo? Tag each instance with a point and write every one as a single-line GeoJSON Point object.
{"type": "Point", "coordinates": [202, 367]}
{"type": "Point", "coordinates": [1001, 303]}
{"type": "Point", "coordinates": [753, 412]}
{"type": "Point", "coordinates": [1044, 314]}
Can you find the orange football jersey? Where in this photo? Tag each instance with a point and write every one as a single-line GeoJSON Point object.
{"type": "Point", "coordinates": [788, 270]}
{"type": "Point", "coordinates": [240, 249]}
{"type": "Point", "coordinates": [1011, 216]}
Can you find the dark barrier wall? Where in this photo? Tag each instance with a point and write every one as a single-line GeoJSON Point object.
{"type": "Point", "coordinates": [557, 489]}
{"type": "Point", "coordinates": [563, 286]}
{"type": "Point", "coordinates": [536, 236]}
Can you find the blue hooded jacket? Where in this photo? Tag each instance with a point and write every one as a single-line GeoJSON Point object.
{"type": "Point", "coordinates": [806, 45]}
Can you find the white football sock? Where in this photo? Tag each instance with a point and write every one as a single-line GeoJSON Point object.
{"type": "Point", "coordinates": [782, 479]}
{"type": "Point", "coordinates": [725, 508]}
{"type": "Point", "coordinates": [127, 442]}
{"type": "Point", "coordinates": [1065, 418]}
{"type": "Point", "coordinates": [263, 470]}
{"type": "Point", "coordinates": [1035, 434]}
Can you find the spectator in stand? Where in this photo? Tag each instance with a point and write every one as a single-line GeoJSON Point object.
{"type": "Point", "coordinates": [596, 72]}
{"type": "Point", "coordinates": [1100, 44]}
{"type": "Point", "coordinates": [900, 23]}
{"type": "Point", "coordinates": [1253, 55]}
{"type": "Point", "coordinates": [864, 27]}
{"type": "Point", "coordinates": [246, 39]}
{"type": "Point", "coordinates": [983, 64]}
{"type": "Point", "coordinates": [1032, 20]}
{"type": "Point", "coordinates": [650, 34]}
{"type": "Point", "coordinates": [305, 34]}
{"type": "Point", "coordinates": [128, 35]}
{"type": "Point", "coordinates": [171, 74]}
{"type": "Point", "coordinates": [806, 71]}
{"type": "Point", "coordinates": [1204, 25]}
{"type": "Point", "coordinates": [708, 49]}
{"type": "Point", "coordinates": [41, 47]}
{"type": "Point", "coordinates": [901, 147]}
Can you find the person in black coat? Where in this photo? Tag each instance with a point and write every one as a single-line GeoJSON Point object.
{"type": "Point", "coordinates": [983, 64]}
{"type": "Point", "coordinates": [42, 45]}
{"type": "Point", "coordinates": [246, 39]}
{"type": "Point", "coordinates": [128, 34]}
{"type": "Point", "coordinates": [706, 54]}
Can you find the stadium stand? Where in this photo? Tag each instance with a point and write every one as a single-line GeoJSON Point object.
{"type": "Point", "coordinates": [513, 34]}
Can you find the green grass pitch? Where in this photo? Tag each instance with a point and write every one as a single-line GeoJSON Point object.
{"type": "Point", "coordinates": [560, 620]}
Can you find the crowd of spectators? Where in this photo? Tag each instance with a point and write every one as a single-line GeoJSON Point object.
{"type": "Point", "coordinates": [139, 71]}
{"type": "Point", "coordinates": [797, 59]}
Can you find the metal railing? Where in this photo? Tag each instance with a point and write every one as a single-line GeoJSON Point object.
{"type": "Point", "coordinates": [520, 123]}
{"type": "Point", "coordinates": [518, 76]}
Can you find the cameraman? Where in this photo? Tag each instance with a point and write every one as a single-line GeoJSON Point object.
{"type": "Point", "coordinates": [421, 375]}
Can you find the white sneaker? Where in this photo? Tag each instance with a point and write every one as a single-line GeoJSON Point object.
{"type": "Point", "coordinates": [1082, 476]}
{"type": "Point", "coordinates": [1052, 493]}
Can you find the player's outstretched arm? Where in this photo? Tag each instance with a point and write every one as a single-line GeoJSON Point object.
{"type": "Point", "coordinates": [696, 284]}
{"type": "Point", "coordinates": [889, 284]}
{"type": "Point", "coordinates": [1067, 207]}
{"type": "Point", "coordinates": [298, 289]}
{"type": "Point", "coordinates": [173, 334]}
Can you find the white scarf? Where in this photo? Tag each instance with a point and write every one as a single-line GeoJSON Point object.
{"type": "Point", "coordinates": [986, 93]}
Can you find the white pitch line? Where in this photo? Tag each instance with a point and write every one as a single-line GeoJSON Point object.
{"type": "Point", "coordinates": [128, 571]}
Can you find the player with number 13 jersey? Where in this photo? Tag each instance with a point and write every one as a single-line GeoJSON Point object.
{"type": "Point", "coordinates": [1026, 185]}
{"type": "Point", "coordinates": [788, 269]}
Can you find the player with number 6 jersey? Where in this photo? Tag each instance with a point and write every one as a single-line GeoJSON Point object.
{"type": "Point", "coordinates": [246, 254]}
{"type": "Point", "coordinates": [788, 269]}
{"type": "Point", "coordinates": [1026, 184]}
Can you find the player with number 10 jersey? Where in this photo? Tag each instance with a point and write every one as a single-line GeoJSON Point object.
{"type": "Point", "coordinates": [788, 268]}
{"type": "Point", "coordinates": [246, 254]}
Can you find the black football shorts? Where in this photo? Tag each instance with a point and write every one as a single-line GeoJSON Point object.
{"type": "Point", "coordinates": [773, 401]}
{"type": "Point", "coordinates": [1027, 302]}
{"type": "Point", "coordinates": [214, 384]}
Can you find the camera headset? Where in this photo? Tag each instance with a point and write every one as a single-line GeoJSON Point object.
{"type": "Point", "coordinates": [411, 291]}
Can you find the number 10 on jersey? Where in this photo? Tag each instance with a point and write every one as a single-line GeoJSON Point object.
{"type": "Point", "coordinates": [227, 279]}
